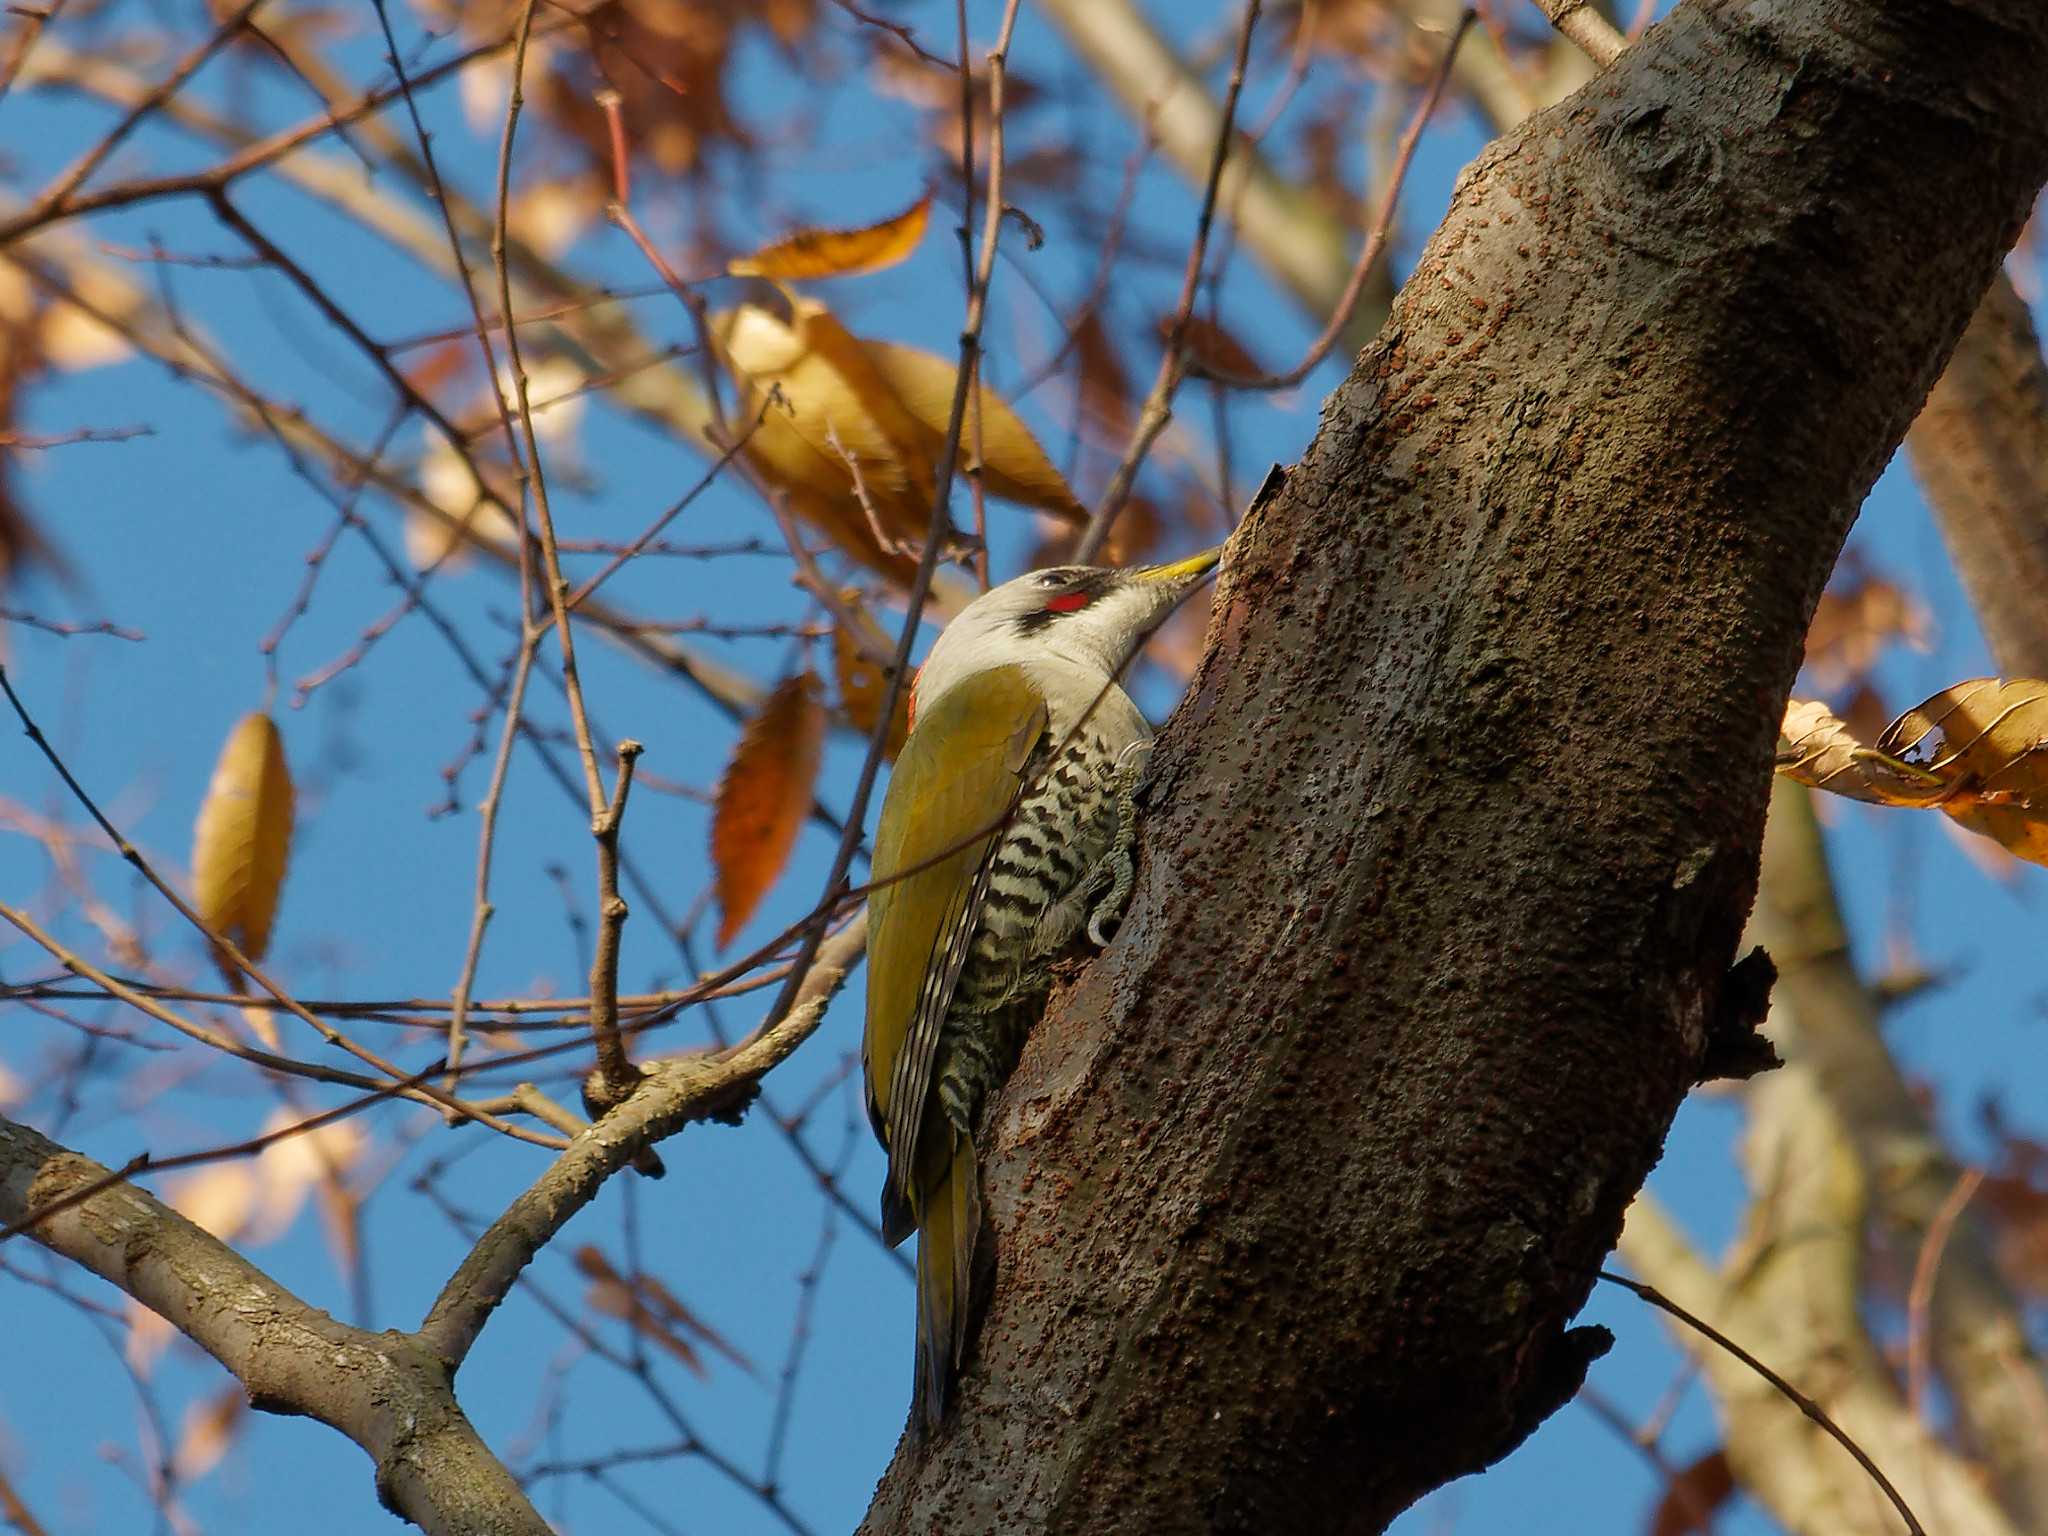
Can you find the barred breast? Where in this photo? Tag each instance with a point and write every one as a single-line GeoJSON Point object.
{"type": "Point", "coordinates": [1032, 908]}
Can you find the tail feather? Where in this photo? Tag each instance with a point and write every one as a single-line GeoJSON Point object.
{"type": "Point", "coordinates": [945, 1269]}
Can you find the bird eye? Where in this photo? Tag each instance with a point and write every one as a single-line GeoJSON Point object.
{"type": "Point", "coordinates": [1054, 578]}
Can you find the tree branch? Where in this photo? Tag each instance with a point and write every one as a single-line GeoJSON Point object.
{"type": "Point", "coordinates": [669, 1095]}
{"type": "Point", "coordinates": [382, 1390]}
{"type": "Point", "coordinates": [1980, 451]}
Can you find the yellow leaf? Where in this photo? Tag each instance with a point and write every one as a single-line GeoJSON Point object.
{"type": "Point", "coordinates": [261, 1023]}
{"type": "Point", "coordinates": [763, 799]}
{"type": "Point", "coordinates": [862, 679]}
{"type": "Point", "coordinates": [243, 838]}
{"type": "Point", "coordinates": [849, 406]}
{"type": "Point", "coordinates": [206, 1432]}
{"type": "Point", "coordinates": [1015, 467]}
{"type": "Point", "coordinates": [836, 415]}
{"type": "Point", "coordinates": [838, 252]}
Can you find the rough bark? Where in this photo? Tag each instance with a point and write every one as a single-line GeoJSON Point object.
{"type": "Point", "coordinates": [1452, 842]}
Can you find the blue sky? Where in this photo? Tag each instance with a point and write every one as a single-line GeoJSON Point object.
{"type": "Point", "coordinates": [197, 536]}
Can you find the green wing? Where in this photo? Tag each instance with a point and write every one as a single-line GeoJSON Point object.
{"type": "Point", "coordinates": [954, 782]}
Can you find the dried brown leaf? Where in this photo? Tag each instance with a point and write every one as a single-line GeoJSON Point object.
{"type": "Point", "coordinates": [651, 1310]}
{"type": "Point", "coordinates": [1979, 750]}
{"type": "Point", "coordinates": [863, 681]}
{"type": "Point", "coordinates": [809, 253]}
{"type": "Point", "coordinates": [1694, 1494]}
{"type": "Point", "coordinates": [1211, 345]}
{"type": "Point", "coordinates": [1104, 382]}
{"type": "Point", "coordinates": [1820, 751]}
{"type": "Point", "coordinates": [1854, 622]}
{"type": "Point", "coordinates": [763, 799]}
{"type": "Point", "coordinates": [243, 838]}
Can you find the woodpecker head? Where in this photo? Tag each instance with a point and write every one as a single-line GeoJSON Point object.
{"type": "Point", "coordinates": [1086, 616]}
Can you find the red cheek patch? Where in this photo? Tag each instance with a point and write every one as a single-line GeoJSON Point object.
{"type": "Point", "coordinates": [1069, 602]}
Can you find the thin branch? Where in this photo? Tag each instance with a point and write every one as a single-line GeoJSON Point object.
{"type": "Point", "coordinates": [1926, 1265]}
{"type": "Point", "coordinates": [556, 585]}
{"type": "Point", "coordinates": [1173, 365]}
{"type": "Point", "coordinates": [1375, 240]}
{"type": "Point", "coordinates": [669, 1096]}
{"type": "Point", "coordinates": [56, 197]}
{"type": "Point", "coordinates": [1800, 1400]}
{"type": "Point", "coordinates": [615, 1071]}
{"type": "Point", "coordinates": [1582, 24]}
{"type": "Point", "coordinates": [31, 442]}
{"type": "Point", "coordinates": [33, 21]}
{"type": "Point", "coordinates": [71, 630]}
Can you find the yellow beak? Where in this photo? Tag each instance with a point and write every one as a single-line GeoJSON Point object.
{"type": "Point", "coordinates": [1180, 572]}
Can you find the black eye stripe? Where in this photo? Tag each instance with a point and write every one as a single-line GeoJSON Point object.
{"type": "Point", "coordinates": [1061, 585]}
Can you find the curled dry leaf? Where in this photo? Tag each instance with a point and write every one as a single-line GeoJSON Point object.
{"type": "Point", "coordinates": [1990, 739]}
{"type": "Point", "coordinates": [243, 838]}
{"type": "Point", "coordinates": [1820, 750]}
{"type": "Point", "coordinates": [859, 425]}
{"type": "Point", "coordinates": [839, 252]}
{"type": "Point", "coordinates": [863, 681]}
{"type": "Point", "coordinates": [763, 798]}
{"type": "Point", "coordinates": [1693, 1495]}
{"type": "Point", "coordinates": [1979, 750]}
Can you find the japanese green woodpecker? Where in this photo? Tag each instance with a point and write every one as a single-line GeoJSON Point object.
{"type": "Point", "coordinates": [1005, 836]}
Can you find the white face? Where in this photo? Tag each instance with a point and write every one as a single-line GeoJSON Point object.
{"type": "Point", "coordinates": [1089, 617]}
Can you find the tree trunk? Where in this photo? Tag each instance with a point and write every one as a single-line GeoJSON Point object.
{"type": "Point", "coordinates": [1450, 847]}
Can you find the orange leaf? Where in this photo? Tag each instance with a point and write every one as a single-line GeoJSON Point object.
{"type": "Point", "coordinates": [763, 799]}
{"type": "Point", "coordinates": [243, 837]}
{"type": "Point", "coordinates": [838, 252]}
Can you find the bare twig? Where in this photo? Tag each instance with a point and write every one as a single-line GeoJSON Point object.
{"type": "Point", "coordinates": [1375, 240]}
{"type": "Point", "coordinates": [55, 199]}
{"type": "Point", "coordinates": [556, 586]}
{"type": "Point", "coordinates": [33, 20]}
{"type": "Point", "coordinates": [670, 1095]}
{"type": "Point", "coordinates": [1926, 1265]}
{"type": "Point", "coordinates": [615, 1071]}
{"type": "Point", "coordinates": [69, 629]}
{"type": "Point", "coordinates": [1173, 365]}
{"type": "Point", "coordinates": [1580, 22]}
{"type": "Point", "coordinates": [1800, 1400]}
{"type": "Point", "coordinates": [31, 442]}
